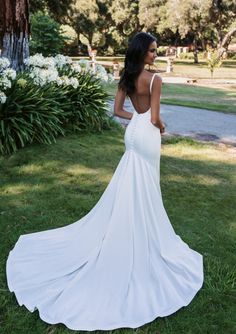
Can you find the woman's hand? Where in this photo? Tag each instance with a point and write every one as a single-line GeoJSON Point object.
{"type": "Point", "coordinates": [160, 125]}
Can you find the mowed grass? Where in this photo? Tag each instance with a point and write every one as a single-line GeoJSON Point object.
{"type": "Point", "coordinates": [199, 97]}
{"type": "Point", "coordinates": [44, 187]}
{"type": "Point", "coordinates": [193, 96]}
{"type": "Point", "coordinates": [186, 68]}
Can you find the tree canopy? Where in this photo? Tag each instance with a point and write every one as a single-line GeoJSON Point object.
{"type": "Point", "coordinates": [107, 25]}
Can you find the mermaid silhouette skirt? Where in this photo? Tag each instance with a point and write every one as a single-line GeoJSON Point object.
{"type": "Point", "coordinates": [121, 265]}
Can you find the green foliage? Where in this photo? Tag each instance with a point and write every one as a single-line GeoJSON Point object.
{"type": "Point", "coordinates": [46, 35]}
{"type": "Point", "coordinates": [231, 55]}
{"type": "Point", "coordinates": [161, 51]}
{"type": "Point", "coordinates": [152, 14]}
{"type": "Point", "coordinates": [213, 61]}
{"type": "Point", "coordinates": [107, 25]}
{"type": "Point", "coordinates": [184, 55]}
{"type": "Point", "coordinates": [35, 113]}
{"type": "Point", "coordinates": [88, 23]}
{"type": "Point", "coordinates": [30, 114]}
{"type": "Point", "coordinates": [71, 41]}
{"type": "Point", "coordinates": [87, 109]}
{"type": "Point", "coordinates": [58, 8]}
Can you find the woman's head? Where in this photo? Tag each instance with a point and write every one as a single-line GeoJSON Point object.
{"type": "Point", "coordinates": [141, 51]}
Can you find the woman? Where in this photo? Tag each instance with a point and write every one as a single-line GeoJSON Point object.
{"type": "Point", "coordinates": [121, 265]}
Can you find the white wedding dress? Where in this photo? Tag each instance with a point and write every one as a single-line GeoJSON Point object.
{"type": "Point", "coordinates": [121, 265]}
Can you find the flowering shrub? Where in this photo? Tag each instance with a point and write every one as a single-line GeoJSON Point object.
{"type": "Point", "coordinates": [6, 77]}
{"type": "Point", "coordinates": [61, 69]}
{"type": "Point", "coordinates": [53, 96]}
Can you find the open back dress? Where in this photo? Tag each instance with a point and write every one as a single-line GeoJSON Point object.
{"type": "Point", "coordinates": [122, 264]}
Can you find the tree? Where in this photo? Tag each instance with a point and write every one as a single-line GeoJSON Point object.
{"type": "Point", "coordinates": [190, 17]}
{"type": "Point", "coordinates": [153, 18]}
{"type": "Point", "coordinates": [46, 35]}
{"type": "Point", "coordinates": [58, 9]}
{"type": "Point", "coordinates": [151, 13]}
{"type": "Point", "coordinates": [71, 40]}
{"type": "Point", "coordinates": [125, 22]}
{"type": "Point", "coordinates": [15, 32]}
{"type": "Point", "coordinates": [213, 61]}
{"type": "Point", "coordinates": [209, 22]}
{"type": "Point", "coordinates": [223, 45]}
{"type": "Point", "coordinates": [87, 23]}
{"type": "Point", "coordinates": [223, 17]}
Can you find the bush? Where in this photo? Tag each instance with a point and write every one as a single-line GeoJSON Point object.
{"type": "Point", "coordinates": [50, 99]}
{"type": "Point", "coordinates": [214, 61]}
{"type": "Point", "coordinates": [188, 55]}
{"type": "Point", "coordinates": [30, 114]}
{"type": "Point", "coordinates": [46, 35]}
{"type": "Point", "coordinates": [161, 51]}
{"type": "Point", "coordinates": [231, 55]}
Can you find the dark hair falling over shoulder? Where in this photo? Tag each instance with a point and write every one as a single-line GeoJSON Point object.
{"type": "Point", "coordinates": [134, 61]}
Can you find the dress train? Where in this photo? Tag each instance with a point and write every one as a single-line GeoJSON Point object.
{"type": "Point", "coordinates": [121, 265]}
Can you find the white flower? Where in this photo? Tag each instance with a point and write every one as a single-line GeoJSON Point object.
{"type": "Point", "coordinates": [60, 61]}
{"type": "Point", "coordinates": [74, 82]}
{"type": "Point", "coordinates": [38, 60]}
{"type": "Point", "coordinates": [76, 67]}
{"type": "Point", "coordinates": [43, 76]}
{"type": "Point", "coordinates": [5, 82]}
{"type": "Point", "coordinates": [9, 73]}
{"type": "Point", "coordinates": [84, 64]}
{"type": "Point", "coordinates": [3, 98]}
{"type": "Point", "coordinates": [59, 81]}
{"type": "Point", "coordinates": [110, 77]}
{"type": "Point", "coordinates": [101, 70]}
{"type": "Point", "coordinates": [4, 63]}
{"type": "Point", "coordinates": [65, 80]}
{"type": "Point", "coordinates": [22, 82]}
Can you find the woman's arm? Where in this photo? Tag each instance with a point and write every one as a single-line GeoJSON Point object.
{"type": "Point", "coordinates": [155, 104]}
{"type": "Point", "coordinates": [119, 104]}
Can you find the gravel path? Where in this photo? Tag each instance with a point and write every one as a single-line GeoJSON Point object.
{"type": "Point", "coordinates": [196, 123]}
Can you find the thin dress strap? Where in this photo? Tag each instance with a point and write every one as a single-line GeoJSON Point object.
{"type": "Point", "coordinates": [152, 82]}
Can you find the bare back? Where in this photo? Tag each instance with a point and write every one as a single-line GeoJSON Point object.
{"type": "Point", "coordinates": [141, 99]}
{"type": "Point", "coordinates": [146, 97]}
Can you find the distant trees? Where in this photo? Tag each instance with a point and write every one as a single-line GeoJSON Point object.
{"type": "Point", "coordinates": [57, 8]}
{"type": "Point", "coordinates": [107, 25]}
{"type": "Point", "coordinates": [89, 22]}
{"type": "Point", "coordinates": [203, 22]}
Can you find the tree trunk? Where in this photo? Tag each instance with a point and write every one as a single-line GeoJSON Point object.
{"type": "Point", "coordinates": [223, 46]}
{"type": "Point", "coordinates": [195, 52]}
{"type": "Point", "coordinates": [15, 32]}
{"type": "Point", "coordinates": [203, 42]}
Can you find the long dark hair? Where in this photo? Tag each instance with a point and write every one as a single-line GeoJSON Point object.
{"type": "Point", "coordinates": [134, 61]}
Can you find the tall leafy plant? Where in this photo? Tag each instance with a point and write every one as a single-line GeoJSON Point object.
{"type": "Point", "coordinates": [30, 114]}
{"type": "Point", "coordinates": [54, 96]}
{"type": "Point", "coordinates": [46, 35]}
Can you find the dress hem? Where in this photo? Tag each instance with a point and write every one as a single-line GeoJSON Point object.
{"type": "Point", "coordinates": [115, 326]}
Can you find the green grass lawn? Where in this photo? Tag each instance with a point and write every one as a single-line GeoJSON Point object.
{"type": "Point", "coordinates": [199, 97]}
{"type": "Point", "coordinates": [185, 68]}
{"type": "Point", "coordinates": [194, 96]}
{"type": "Point", "coordinates": [44, 187]}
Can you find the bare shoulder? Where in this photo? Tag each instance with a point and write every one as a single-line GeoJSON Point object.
{"type": "Point", "coordinates": [145, 79]}
{"type": "Point", "coordinates": [157, 77]}
{"type": "Point", "coordinates": [157, 80]}
{"type": "Point", "coordinates": [156, 86]}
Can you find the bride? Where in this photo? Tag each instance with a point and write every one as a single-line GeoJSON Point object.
{"type": "Point", "coordinates": [121, 265]}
